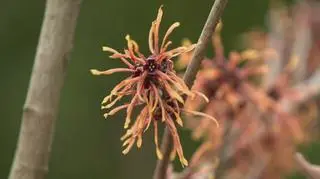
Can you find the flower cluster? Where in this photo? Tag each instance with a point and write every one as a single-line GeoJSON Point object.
{"type": "Point", "coordinates": [256, 129]}
{"type": "Point", "coordinates": [153, 84]}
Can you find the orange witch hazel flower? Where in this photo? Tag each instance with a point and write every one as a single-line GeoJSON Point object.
{"type": "Point", "coordinates": [152, 84]}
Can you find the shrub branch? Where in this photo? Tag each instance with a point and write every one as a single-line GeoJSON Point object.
{"type": "Point", "coordinates": [42, 102]}
{"type": "Point", "coordinates": [189, 77]}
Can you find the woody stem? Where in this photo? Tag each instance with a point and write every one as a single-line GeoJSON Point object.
{"type": "Point", "coordinates": [40, 111]}
{"type": "Point", "coordinates": [189, 77]}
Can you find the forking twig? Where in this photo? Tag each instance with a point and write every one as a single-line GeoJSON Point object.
{"type": "Point", "coordinates": [189, 77]}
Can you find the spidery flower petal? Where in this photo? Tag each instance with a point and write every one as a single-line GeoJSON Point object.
{"type": "Point", "coordinates": [152, 84]}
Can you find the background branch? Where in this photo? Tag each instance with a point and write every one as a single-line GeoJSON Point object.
{"type": "Point", "coordinates": [303, 41]}
{"type": "Point", "coordinates": [310, 170]}
{"type": "Point", "coordinates": [47, 78]}
{"type": "Point", "coordinates": [305, 90]}
{"type": "Point", "coordinates": [189, 77]}
{"type": "Point", "coordinates": [228, 138]}
{"type": "Point", "coordinates": [258, 166]}
{"type": "Point", "coordinates": [275, 41]}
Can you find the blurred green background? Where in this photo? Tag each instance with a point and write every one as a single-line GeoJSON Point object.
{"type": "Point", "coordinates": [86, 145]}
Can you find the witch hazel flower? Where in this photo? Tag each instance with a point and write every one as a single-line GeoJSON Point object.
{"type": "Point", "coordinates": [153, 84]}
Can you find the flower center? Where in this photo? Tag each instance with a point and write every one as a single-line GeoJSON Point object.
{"type": "Point", "coordinates": [151, 66]}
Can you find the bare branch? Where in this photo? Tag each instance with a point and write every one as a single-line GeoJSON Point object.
{"type": "Point", "coordinates": [47, 78]}
{"type": "Point", "coordinates": [310, 87]}
{"type": "Point", "coordinates": [189, 77]}
{"type": "Point", "coordinates": [276, 41]}
{"type": "Point", "coordinates": [305, 90]}
{"type": "Point", "coordinates": [207, 31]}
{"type": "Point", "coordinates": [258, 166]}
{"type": "Point", "coordinates": [223, 156]}
{"type": "Point", "coordinates": [310, 170]}
{"type": "Point", "coordinates": [303, 42]}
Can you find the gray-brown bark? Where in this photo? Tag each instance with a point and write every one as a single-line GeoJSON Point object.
{"type": "Point", "coordinates": [41, 106]}
{"type": "Point", "coordinates": [309, 170]}
{"type": "Point", "coordinates": [189, 77]}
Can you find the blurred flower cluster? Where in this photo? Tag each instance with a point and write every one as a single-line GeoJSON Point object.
{"type": "Point", "coordinates": [263, 97]}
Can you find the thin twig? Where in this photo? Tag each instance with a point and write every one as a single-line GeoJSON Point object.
{"type": "Point", "coordinates": [47, 78]}
{"type": "Point", "coordinates": [258, 166]}
{"type": "Point", "coordinates": [276, 41]}
{"type": "Point", "coordinates": [310, 170]}
{"type": "Point", "coordinates": [305, 90]}
{"type": "Point", "coordinates": [207, 31]}
{"type": "Point", "coordinates": [228, 139]}
{"type": "Point", "coordinates": [303, 41]}
{"type": "Point", "coordinates": [189, 77]}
